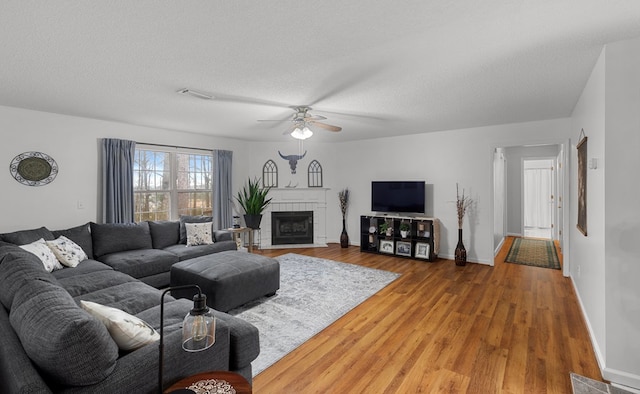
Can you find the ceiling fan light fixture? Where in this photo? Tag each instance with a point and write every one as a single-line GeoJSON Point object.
{"type": "Point", "coordinates": [196, 93]}
{"type": "Point", "coordinates": [301, 134]}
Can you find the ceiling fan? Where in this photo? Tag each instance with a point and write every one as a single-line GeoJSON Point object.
{"type": "Point", "coordinates": [304, 123]}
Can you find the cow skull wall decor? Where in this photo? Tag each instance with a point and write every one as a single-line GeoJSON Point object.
{"type": "Point", "coordinates": [293, 160]}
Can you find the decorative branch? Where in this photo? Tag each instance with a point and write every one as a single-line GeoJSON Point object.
{"type": "Point", "coordinates": [462, 203]}
{"type": "Point", "coordinates": [343, 195]}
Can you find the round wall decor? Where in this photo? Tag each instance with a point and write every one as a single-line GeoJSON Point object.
{"type": "Point", "coordinates": [33, 168]}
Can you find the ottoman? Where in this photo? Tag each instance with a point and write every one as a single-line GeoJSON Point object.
{"type": "Point", "coordinates": [229, 279]}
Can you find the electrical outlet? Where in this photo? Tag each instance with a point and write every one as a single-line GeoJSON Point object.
{"type": "Point", "coordinates": [578, 270]}
{"type": "Point", "coordinates": [80, 204]}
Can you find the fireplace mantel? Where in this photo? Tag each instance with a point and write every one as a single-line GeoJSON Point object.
{"type": "Point", "coordinates": [297, 199]}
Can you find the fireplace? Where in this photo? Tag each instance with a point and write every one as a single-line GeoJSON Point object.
{"type": "Point", "coordinates": [291, 227]}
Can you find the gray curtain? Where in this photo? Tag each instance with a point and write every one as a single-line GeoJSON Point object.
{"type": "Point", "coordinates": [117, 180]}
{"type": "Point", "coordinates": [222, 193]}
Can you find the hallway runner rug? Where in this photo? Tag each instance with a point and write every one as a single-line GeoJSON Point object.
{"type": "Point", "coordinates": [313, 294]}
{"type": "Point", "coordinates": [533, 252]}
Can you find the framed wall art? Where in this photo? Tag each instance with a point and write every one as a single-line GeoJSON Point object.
{"type": "Point", "coordinates": [386, 246]}
{"type": "Point", "coordinates": [582, 183]}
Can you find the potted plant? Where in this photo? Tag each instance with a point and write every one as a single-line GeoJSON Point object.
{"type": "Point", "coordinates": [253, 199]}
{"type": "Point", "coordinates": [386, 229]}
{"type": "Point", "coordinates": [404, 229]}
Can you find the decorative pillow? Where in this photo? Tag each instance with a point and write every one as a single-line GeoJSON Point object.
{"type": "Point", "coordinates": [80, 235]}
{"type": "Point", "coordinates": [40, 249]}
{"type": "Point", "coordinates": [128, 331]}
{"type": "Point", "coordinates": [67, 252]}
{"type": "Point", "coordinates": [199, 233]}
{"type": "Point", "coordinates": [184, 219]}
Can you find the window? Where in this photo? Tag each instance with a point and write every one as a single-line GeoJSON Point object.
{"type": "Point", "coordinates": [169, 182]}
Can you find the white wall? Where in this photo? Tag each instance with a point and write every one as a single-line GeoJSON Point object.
{"type": "Point", "coordinates": [73, 143]}
{"type": "Point", "coordinates": [499, 199]}
{"type": "Point", "coordinates": [622, 212]}
{"type": "Point", "coordinates": [587, 253]}
{"type": "Point", "coordinates": [605, 267]}
{"type": "Point", "coordinates": [441, 159]}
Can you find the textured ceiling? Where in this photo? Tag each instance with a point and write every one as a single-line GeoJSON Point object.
{"type": "Point", "coordinates": [376, 68]}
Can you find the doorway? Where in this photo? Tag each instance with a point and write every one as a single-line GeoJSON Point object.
{"type": "Point", "coordinates": [538, 183]}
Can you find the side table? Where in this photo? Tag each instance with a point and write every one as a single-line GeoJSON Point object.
{"type": "Point", "coordinates": [237, 233]}
{"type": "Point", "coordinates": [212, 382]}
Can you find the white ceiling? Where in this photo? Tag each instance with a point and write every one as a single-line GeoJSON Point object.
{"type": "Point", "coordinates": [376, 68]}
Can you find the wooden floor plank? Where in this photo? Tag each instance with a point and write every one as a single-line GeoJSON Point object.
{"type": "Point", "coordinates": [441, 328]}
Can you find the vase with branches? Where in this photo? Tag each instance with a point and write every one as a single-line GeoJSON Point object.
{"type": "Point", "coordinates": [462, 204]}
{"type": "Point", "coordinates": [343, 196]}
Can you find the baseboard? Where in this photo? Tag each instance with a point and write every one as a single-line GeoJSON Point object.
{"type": "Point", "coordinates": [621, 379]}
{"type": "Point", "coordinates": [514, 235]}
{"type": "Point", "coordinates": [497, 250]}
{"type": "Point", "coordinates": [592, 337]}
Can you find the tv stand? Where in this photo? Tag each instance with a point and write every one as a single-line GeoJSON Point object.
{"type": "Point", "coordinates": [402, 236]}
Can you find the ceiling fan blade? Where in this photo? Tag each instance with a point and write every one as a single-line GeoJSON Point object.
{"type": "Point", "coordinates": [326, 126]}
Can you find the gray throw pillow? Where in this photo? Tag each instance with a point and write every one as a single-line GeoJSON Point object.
{"type": "Point", "coordinates": [191, 219]}
{"type": "Point", "coordinates": [164, 233]}
{"type": "Point", "coordinates": [66, 343]}
{"type": "Point", "coordinates": [24, 237]}
{"type": "Point", "coordinates": [80, 235]}
{"type": "Point", "coordinates": [117, 237]}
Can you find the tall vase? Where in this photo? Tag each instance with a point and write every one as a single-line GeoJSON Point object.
{"type": "Point", "coordinates": [344, 237]}
{"type": "Point", "coordinates": [461, 252]}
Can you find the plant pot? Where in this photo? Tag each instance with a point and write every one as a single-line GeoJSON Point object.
{"type": "Point", "coordinates": [253, 221]}
{"type": "Point", "coordinates": [344, 237]}
{"type": "Point", "coordinates": [461, 252]}
{"type": "Point", "coordinates": [404, 233]}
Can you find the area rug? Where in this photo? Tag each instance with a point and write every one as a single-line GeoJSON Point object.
{"type": "Point", "coordinates": [313, 294]}
{"type": "Point", "coordinates": [534, 252]}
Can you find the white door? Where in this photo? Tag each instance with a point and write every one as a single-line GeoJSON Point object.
{"type": "Point", "coordinates": [539, 198]}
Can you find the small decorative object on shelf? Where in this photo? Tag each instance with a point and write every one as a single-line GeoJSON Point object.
{"type": "Point", "coordinates": [343, 195]}
{"type": "Point", "coordinates": [462, 203]}
{"type": "Point", "coordinates": [404, 229]}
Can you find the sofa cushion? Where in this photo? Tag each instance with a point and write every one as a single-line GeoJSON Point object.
{"type": "Point", "coordinates": [80, 235]}
{"type": "Point", "coordinates": [66, 343]}
{"type": "Point", "coordinates": [164, 233]}
{"type": "Point", "coordinates": [185, 252]}
{"type": "Point", "coordinates": [117, 237]}
{"type": "Point", "coordinates": [24, 237]}
{"type": "Point", "coordinates": [87, 267]}
{"type": "Point", "coordinates": [67, 252]}
{"type": "Point", "coordinates": [190, 219]}
{"type": "Point", "coordinates": [17, 266]}
{"type": "Point", "coordinates": [44, 253]}
{"type": "Point", "coordinates": [142, 262]}
{"type": "Point", "coordinates": [128, 331]}
{"type": "Point", "coordinates": [222, 235]}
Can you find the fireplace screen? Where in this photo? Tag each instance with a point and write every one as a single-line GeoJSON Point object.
{"type": "Point", "coordinates": [291, 228]}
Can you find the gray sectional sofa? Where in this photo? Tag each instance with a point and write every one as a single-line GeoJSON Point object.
{"type": "Point", "coordinates": [48, 343]}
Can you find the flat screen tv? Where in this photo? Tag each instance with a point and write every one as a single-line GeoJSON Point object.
{"type": "Point", "coordinates": [398, 196]}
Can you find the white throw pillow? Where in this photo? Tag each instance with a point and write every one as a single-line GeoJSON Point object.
{"type": "Point", "coordinates": [199, 233]}
{"type": "Point", "coordinates": [40, 249]}
{"type": "Point", "coordinates": [68, 252]}
{"type": "Point", "coordinates": [128, 331]}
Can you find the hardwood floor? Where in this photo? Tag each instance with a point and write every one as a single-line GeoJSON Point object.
{"type": "Point", "coordinates": [443, 329]}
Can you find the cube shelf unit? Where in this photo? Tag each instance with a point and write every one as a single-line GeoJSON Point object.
{"type": "Point", "coordinates": [400, 236]}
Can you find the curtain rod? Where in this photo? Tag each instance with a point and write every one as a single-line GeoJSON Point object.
{"type": "Point", "coordinates": [173, 146]}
